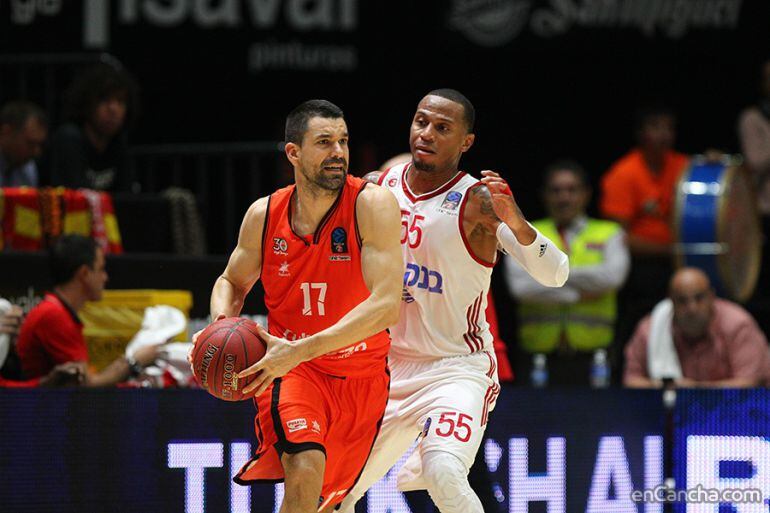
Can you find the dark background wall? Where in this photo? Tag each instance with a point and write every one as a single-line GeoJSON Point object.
{"type": "Point", "coordinates": [549, 78]}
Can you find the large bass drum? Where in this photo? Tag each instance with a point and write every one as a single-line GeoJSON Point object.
{"type": "Point", "coordinates": [717, 226]}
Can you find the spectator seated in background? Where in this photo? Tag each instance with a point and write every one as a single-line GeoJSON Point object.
{"type": "Point", "coordinates": [23, 130]}
{"type": "Point", "coordinates": [89, 150]}
{"type": "Point", "coordinates": [52, 332]}
{"type": "Point", "coordinates": [754, 133]}
{"type": "Point", "coordinates": [10, 320]}
{"type": "Point", "coordinates": [697, 340]}
{"type": "Point", "coordinates": [573, 321]}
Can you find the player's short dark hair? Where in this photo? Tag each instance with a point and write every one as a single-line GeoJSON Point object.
{"type": "Point", "coordinates": [68, 254]}
{"type": "Point", "coordinates": [646, 113]}
{"type": "Point", "coordinates": [296, 121]}
{"type": "Point", "coordinates": [17, 113]}
{"type": "Point", "coordinates": [565, 165]}
{"type": "Point", "coordinates": [469, 112]}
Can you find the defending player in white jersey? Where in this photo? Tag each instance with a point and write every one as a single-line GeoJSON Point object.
{"type": "Point", "coordinates": [444, 371]}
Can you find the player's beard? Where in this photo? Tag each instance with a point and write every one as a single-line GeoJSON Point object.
{"type": "Point", "coordinates": [423, 166]}
{"type": "Point", "coordinates": [328, 182]}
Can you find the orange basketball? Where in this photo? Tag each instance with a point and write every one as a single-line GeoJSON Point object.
{"type": "Point", "coordinates": [223, 349]}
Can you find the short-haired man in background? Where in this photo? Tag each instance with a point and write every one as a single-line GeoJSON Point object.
{"type": "Point", "coordinates": [52, 333]}
{"type": "Point", "coordinates": [23, 131]}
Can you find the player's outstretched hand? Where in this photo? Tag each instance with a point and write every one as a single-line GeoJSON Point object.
{"type": "Point", "coordinates": [502, 198]}
{"type": "Point", "coordinates": [279, 359]}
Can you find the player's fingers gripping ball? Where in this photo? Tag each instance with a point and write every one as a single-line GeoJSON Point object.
{"type": "Point", "coordinates": [223, 349]}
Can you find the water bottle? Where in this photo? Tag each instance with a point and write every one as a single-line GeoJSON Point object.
{"type": "Point", "coordinates": [539, 374]}
{"type": "Point", "coordinates": [600, 370]}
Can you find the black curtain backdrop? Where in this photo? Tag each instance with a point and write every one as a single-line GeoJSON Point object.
{"type": "Point", "coordinates": [565, 82]}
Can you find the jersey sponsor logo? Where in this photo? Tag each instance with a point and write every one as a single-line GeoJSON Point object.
{"type": "Point", "coordinates": [543, 247]}
{"type": "Point", "coordinates": [339, 258]}
{"type": "Point", "coordinates": [347, 352]}
{"type": "Point", "coordinates": [406, 297]}
{"type": "Point", "coordinates": [451, 201]}
{"type": "Point", "coordinates": [423, 278]}
{"type": "Point", "coordinates": [339, 240]}
{"type": "Point", "coordinates": [280, 246]}
{"type": "Point", "coordinates": [283, 270]}
{"type": "Point", "coordinates": [292, 336]}
{"type": "Point", "coordinates": [296, 425]}
{"type": "Point", "coordinates": [392, 182]}
{"type": "Point", "coordinates": [316, 427]}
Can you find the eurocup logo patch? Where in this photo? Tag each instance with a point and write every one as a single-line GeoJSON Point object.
{"type": "Point", "coordinates": [452, 200]}
{"type": "Point", "coordinates": [339, 240]}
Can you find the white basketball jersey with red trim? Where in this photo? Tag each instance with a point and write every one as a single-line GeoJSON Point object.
{"type": "Point", "coordinates": [445, 285]}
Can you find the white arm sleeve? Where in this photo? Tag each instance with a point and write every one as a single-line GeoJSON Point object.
{"type": "Point", "coordinates": [546, 263]}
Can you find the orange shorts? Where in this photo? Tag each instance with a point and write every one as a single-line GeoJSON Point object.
{"type": "Point", "coordinates": [308, 409]}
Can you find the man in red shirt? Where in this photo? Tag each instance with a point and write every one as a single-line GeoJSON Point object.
{"type": "Point", "coordinates": [327, 250]}
{"type": "Point", "coordinates": [700, 341]}
{"type": "Point", "coordinates": [10, 320]}
{"type": "Point", "coordinates": [52, 333]}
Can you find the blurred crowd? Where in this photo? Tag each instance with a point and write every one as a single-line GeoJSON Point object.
{"type": "Point", "coordinates": [625, 316]}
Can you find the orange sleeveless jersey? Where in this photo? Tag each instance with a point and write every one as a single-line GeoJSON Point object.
{"type": "Point", "coordinates": [311, 282]}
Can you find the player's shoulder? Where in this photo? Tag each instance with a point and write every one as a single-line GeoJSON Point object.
{"type": "Point", "coordinates": [477, 192]}
{"type": "Point", "coordinates": [374, 176]}
{"type": "Point", "coordinates": [376, 207]}
{"type": "Point", "coordinates": [255, 217]}
{"type": "Point", "coordinates": [374, 196]}
{"type": "Point", "coordinates": [258, 209]}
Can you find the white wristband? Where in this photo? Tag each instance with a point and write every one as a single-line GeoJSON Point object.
{"type": "Point", "coordinates": [545, 262]}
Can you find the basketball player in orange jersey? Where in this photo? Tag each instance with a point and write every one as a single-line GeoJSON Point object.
{"type": "Point", "coordinates": [444, 370]}
{"type": "Point", "coordinates": [327, 251]}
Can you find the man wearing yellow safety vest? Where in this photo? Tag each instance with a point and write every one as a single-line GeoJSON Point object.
{"type": "Point", "coordinates": [565, 331]}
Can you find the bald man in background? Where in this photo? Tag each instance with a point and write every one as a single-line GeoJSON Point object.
{"type": "Point", "coordinates": [697, 340]}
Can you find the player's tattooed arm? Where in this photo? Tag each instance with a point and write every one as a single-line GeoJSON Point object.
{"type": "Point", "coordinates": [480, 211]}
{"type": "Point", "coordinates": [480, 223]}
{"type": "Point", "coordinates": [489, 204]}
{"type": "Point", "coordinates": [373, 176]}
